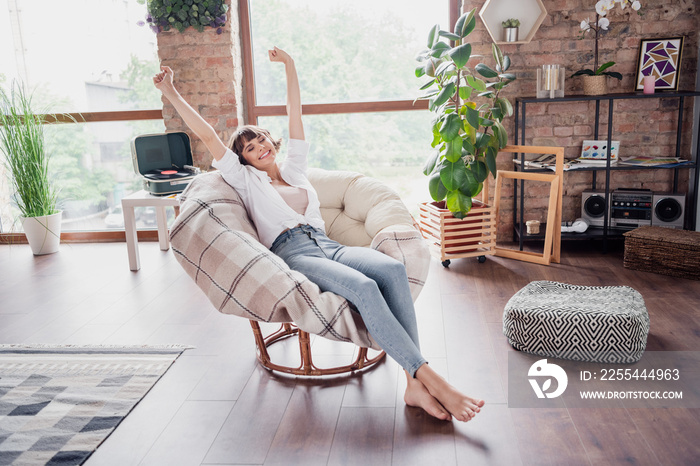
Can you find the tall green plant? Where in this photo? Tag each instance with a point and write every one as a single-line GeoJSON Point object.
{"type": "Point", "coordinates": [467, 134]}
{"type": "Point", "coordinates": [22, 143]}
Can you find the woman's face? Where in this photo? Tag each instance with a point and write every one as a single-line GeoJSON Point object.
{"type": "Point", "coordinates": [259, 152]}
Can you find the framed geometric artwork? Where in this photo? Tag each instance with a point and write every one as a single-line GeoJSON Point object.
{"type": "Point", "coordinates": [660, 58]}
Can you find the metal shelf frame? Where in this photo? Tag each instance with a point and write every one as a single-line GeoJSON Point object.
{"type": "Point", "coordinates": [607, 231]}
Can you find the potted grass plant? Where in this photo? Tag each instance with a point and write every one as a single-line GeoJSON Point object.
{"type": "Point", "coordinates": [27, 162]}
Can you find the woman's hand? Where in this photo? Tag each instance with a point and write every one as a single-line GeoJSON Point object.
{"type": "Point", "coordinates": [279, 55]}
{"type": "Point", "coordinates": [164, 83]}
{"type": "Point", "coordinates": [296, 127]}
{"type": "Point", "coordinates": [164, 80]}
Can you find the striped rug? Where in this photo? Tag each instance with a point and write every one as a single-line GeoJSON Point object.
{"type": "Point", "coordinates": [58, 404]}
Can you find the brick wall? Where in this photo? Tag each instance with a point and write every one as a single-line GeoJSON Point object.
{"type": "Point", "coordinates": [207, 75]}
{"type": "Point", "coordinates": [641, 126]}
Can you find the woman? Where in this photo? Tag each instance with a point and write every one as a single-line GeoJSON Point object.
{"type": "Point", "coordinates": [286, 212]}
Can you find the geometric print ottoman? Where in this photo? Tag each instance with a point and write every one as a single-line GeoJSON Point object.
{"type": "Point", "coordinates": [584, 323]}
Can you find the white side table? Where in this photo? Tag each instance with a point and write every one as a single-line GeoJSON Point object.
{"type": "Point", "coordinates": [144, 199]}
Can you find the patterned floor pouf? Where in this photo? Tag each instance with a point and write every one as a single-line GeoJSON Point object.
{"type": "Point", "coordinates": [584, 323]}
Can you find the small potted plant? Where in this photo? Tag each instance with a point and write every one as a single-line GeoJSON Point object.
{"type": "Point", "coordinates": [27, 162]}
{"type": "Point", "coordinates": [510, 29]}
{"type": "Point", "coordinates": [594, 80]}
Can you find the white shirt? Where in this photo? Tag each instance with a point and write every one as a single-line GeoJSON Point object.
{"type": "Point", "coordinates": [269, 212]}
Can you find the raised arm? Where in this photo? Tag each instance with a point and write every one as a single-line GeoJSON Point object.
{"type": "Point", "coordinates": [296, 127]}
{"type": "Point", "coordinates": [204, 131]}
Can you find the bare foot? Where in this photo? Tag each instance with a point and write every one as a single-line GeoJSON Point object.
{"type": "Point", "coordinates": [419, 397]}
{"type": "Point", "coordinates": [461, 406]}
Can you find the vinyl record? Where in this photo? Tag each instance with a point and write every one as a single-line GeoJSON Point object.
{"type": "Point", "coordinates": [155, 176]}
{"type": "Point", "coordinates": [165, 174]}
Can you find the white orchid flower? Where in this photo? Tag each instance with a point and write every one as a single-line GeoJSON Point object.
{"type": "Point", "coordinates": [636, 5]}
{"type": "Point", "coordinates": [603, 6]}
{"type": "Point", "coordinates": [604, 23]}
{"type": "Point", "coordinates": [586, 24]}
{"type": "Point", "coordinates": [600, 8]}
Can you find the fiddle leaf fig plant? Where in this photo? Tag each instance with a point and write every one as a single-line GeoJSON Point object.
{"type": "Point", "coordinates": [469, 110]}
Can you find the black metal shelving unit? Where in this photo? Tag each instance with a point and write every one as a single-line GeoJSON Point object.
{"type": "Point", "coordinates": [606, 231]}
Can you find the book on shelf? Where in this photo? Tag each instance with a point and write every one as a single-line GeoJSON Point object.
{"type": "Point", "coordinates": [582, 162]}
{"type": "Point", "coordinates": [548, 162]}
{"type": "Point", "coordinates": [652, 161]}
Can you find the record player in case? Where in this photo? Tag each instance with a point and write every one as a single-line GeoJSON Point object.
{"type": "Point", "coordinates": [164, 161]}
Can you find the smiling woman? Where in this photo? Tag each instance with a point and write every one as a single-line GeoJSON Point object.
{"type": "Point", "coordinates": [285, 210]}
{"type": "Point", "coordinates": [251, 134]}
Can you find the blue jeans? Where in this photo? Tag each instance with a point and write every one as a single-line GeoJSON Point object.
{"type": "Point", "coordinates": [374, 283]}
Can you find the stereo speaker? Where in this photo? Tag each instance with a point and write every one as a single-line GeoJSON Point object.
{"type": "Point", "coordinates": [668, 210]}
{"type": "Point", "coordinates": [593, 207]}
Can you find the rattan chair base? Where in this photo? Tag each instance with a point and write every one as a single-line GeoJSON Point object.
{"type": "Point", "coordinates": [307, 366]}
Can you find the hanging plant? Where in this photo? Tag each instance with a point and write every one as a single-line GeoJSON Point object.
{"type": "Point", "coordinates": [181, 14]}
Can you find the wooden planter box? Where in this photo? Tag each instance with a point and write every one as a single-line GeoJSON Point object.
{"type": "Point", "coordinates": [454, 238]}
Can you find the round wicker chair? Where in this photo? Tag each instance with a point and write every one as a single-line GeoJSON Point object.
{"type": "Point", "coordinates": [215, 242]}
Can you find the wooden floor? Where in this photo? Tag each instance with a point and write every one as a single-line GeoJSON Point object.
{"type": "Point", "coordinates": [217, 406]}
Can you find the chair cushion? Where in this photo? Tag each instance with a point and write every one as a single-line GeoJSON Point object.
{"type": "Point", "coordinates": [215, 241]}
{"type": "Point", "coordinates": [583, 323]}
{"type": "Point", "coordinates": [356, 208]}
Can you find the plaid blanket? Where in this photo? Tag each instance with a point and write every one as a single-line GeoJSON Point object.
{"type": "Point", "coordinates": [216, 243]}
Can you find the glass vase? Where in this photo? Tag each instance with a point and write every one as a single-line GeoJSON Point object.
{"type": "Point", "coordinates": [550, 81]}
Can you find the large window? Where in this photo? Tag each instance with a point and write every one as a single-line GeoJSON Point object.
{"type": "Point", "coordinates": [355, 61]}
{"type": "Point", "coordinates": [356, 64]}
{"type": "Point", "coordinates": [82, 54]}
{"type": "Point", "coordinates": [81, 57]}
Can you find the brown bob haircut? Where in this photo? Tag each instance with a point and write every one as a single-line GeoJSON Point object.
{"type": "Point", "coordinates": [247, 133]}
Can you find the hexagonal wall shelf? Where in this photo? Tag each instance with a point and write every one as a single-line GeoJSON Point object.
{"type": "Point", "coordinates": [531, 13]}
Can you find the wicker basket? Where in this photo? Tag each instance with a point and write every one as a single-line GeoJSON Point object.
{"type": "Point", "coordinates": [663, 250]}
{"type": "Point", "coordinates": [595, 85]}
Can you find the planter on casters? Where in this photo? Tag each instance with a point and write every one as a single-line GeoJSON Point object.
{"type": "Point", "coordinates": [455, 238]}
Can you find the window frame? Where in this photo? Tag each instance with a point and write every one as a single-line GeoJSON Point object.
{"type": "Point", "coordinates": [253, 111]}
{"type": "Point", "coordinates": [93, 236]}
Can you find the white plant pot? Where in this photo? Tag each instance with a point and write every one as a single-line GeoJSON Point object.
{"type": "Point", "coordinates": [43, 233]}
